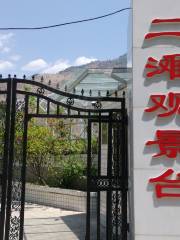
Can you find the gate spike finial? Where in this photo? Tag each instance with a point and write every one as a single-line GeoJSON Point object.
{"type": "Point", "coordinates": [65, 88]}
{"type": "Point", "coordinates": [24, 76]}
{"type": "Point", "coordinates": [14, 75]}
{"type": "Point", "coordinates": [99, 93]}
{"type": "Point", "coordinates": [90, 92]}
{"type": "Point", "coordinates": [9, 75]}
{"type": "Point", "coordinates": [116, 93]}
{"type": "Point", "coordinates": [74, 90]}
{"type": "Point", "coordinates": [33, 77]}
{"type": "Point", "coordinates": [0, 75]}
{"type": "Point", "coordinates": [124, 94]}
{"type": "Point", "coordinates": [107, 93]}
{"type": "Point", "coordinates": [82, 91]}
{"type": "Point", "coordinates": [42, 79]}
{"type": "Point", "coordinates": [57, 85]}
{"type": "Point", "coordinates": [49, 82]}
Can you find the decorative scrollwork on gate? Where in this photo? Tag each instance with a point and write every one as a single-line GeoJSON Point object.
{"type": "Point", "coordinates": [97, 104]}
{"type": "Point", "coordinates": [20, 105]}
{"type": "Point", "coordinates": [70, 101]}
{"type": "Point", "coordinates": [16, 196]}
{"type": "Point", "coordinates": [116, 213]}
{"type": "Point", "coordinates": [16, 192]}
{"type": "Point", "coordinates": [117, 116]}
{"type": "Point", "coordinates": [2, 157]}
{"type": "Point", "coordinates": [41, 91]}
{"type": "Point", "coordinates": [116, 149]}
{"type": "Point", "coordinates": [14, 229]}
{"type": "Point", "coordinates": [2, 125]}
{"type": "Point", "coordinates": [104, 183]}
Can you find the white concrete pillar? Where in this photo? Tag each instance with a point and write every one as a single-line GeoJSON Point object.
{"type": "Point", "coordinates": [154, 219]}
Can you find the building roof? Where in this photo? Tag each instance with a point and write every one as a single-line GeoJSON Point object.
{"type": "Point", "coordinates": [96, 82]}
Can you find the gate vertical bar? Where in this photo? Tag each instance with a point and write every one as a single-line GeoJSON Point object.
{"type": "Point", "coordinates": [23, 170]}
{"type": "Point", "coordinates": [109, 174]}
{"type": "Point", "coordinates": [117, 143]}
{"type": "Point", "coordinates": [6, 159]}
{"type": "Point", "coordinates": [11, 159]}
{"type": "Point", "coordinates": [124, 171]}
{"type": "Point", "coordinates": [88, 217]}
{"type": "Point", "coordinates": [99, 173]}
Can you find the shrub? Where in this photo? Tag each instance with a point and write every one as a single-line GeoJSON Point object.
{"type": "Point", "coordinates": [70, 174]}
{"type": "Point", "coordinates": [46, 151]}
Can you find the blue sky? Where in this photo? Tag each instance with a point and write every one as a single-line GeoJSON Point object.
{"type": "Point", "coordinates": [29, 52]}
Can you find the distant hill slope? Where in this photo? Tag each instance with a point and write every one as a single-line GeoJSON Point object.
{"type": "Point", "coordinates": [70, 73]}
{"type": "Point", "coordinates": [119, 62]}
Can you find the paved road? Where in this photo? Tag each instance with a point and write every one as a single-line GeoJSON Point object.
{"type": "Point", "coordinates": [47, 223]}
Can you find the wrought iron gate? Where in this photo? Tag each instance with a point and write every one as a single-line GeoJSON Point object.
{"type": "Point", "coordinates": [109, 183]}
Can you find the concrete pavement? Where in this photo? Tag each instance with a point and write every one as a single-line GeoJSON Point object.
{"type": "Point", "coordinates": [47, 223]}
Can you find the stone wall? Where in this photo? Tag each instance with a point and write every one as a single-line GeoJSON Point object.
{"type": "Point", "coordinates": [60, 198]}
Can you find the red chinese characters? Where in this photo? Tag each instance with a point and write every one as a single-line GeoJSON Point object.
{"type": "Point", "coordinates": [168, 142]}
{"type": "Point", "coordinates": [163, 182]}
{"type": "Point", "coordinates": [168, 64]}
{"type": "Point", "coordinates": [170, 105]}
{"type": "Point", "coordinates": [165, 105]}
{"type": "Point", "coordinates": [162, 21]}
{"type": "Point", "coordinates": [163, 34]}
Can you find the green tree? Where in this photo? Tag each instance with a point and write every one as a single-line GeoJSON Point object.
{"type": "Point", "coordinates": [42, 150]}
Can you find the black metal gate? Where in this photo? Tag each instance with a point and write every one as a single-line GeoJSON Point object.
{"type": "Point", "coordinates": [109, 182]}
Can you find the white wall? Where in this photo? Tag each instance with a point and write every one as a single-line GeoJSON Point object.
{"type": "Point", "coordinates": [154, 219]}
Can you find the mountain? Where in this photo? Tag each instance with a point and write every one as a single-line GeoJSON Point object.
{"type": "Point", "coordinates": [119, 62]}
{"type": "Point", "coordinates": [61, 78]}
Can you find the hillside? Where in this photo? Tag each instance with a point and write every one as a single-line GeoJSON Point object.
{"type": "Point", "coordinates": [70, 73]}
{"type": "Point", "coordinates": [114, 63]}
